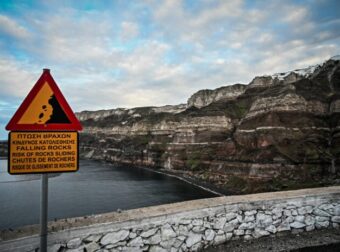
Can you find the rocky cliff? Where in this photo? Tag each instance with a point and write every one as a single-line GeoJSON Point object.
{"type": "Point", "coordinates": [3, 149]}
{"type": "Point", "coordinates": [279, 131]}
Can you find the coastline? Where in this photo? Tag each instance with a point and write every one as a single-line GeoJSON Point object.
{"type": "Point", "coordinates": [180, 175]}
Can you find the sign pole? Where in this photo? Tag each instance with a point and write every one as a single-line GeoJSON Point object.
{"type": "Point", "coordinates": [43, 212]}
{"type": "Point", "coordinates": [43, 139]}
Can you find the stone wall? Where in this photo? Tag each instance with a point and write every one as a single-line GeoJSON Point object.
{"type": "Point", "coordinates": [190, 225]}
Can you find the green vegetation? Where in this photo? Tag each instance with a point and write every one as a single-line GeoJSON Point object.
{"type": "Point", "coordinates": [193, 161]}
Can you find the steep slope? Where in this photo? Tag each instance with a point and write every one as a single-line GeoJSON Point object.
{"type": "Point", "coordinates": [279, 131]}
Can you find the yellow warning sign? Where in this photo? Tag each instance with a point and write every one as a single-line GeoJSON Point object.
{"type": "Point", "coordinates": [42, 152]}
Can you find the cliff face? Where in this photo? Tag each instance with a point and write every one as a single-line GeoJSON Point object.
{"type": "Point", "coordinates": [279, 131]}
{"type": "Point", "coordinates": [3, 149]}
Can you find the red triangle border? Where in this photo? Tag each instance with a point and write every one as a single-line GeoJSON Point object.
{"type": "Point", "coordinates": [45, 77]}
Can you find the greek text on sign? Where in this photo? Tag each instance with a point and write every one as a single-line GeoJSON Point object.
{"type": "Point", "coordinates": [40, 152]}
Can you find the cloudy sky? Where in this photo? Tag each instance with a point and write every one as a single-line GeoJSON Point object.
{"type": "Point", "coordinates": [107, 54]}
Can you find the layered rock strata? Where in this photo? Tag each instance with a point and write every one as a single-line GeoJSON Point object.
{"type": "Point", "coordinates": [279, 131]}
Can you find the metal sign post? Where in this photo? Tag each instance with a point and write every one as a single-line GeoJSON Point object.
{"type": "Point", "coordinates": [43, 212]}
{"type": "Point", "coordinates": [43, 139]}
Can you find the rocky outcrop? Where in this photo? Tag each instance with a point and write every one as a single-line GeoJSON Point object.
{"type": "Point", "coordinates": [3, 149]}
{"type": "Point", "coordinates": [280, 131]}
{"type": "Point", "coordinates": [205, 97]}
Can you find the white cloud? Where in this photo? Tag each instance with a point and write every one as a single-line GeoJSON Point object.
{"type": "Point", "coordinates": [224, 42]}
{"type": "Point", "coordinates": [16, 79]}
{"type": "Point", "coordinates": [12, 28]}
{"type": "Point", "coordinates": [130, 30]}
{"type": "Point", "coordinates": [294, 14]}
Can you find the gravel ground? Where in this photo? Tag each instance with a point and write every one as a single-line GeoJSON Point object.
{"type": "Point", "coordinates": [320, 240]}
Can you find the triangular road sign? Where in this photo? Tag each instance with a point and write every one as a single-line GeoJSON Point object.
{"type": "Point", "coordinates": [44, 109]}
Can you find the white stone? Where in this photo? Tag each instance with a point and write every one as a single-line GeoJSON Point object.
{"type": "Point", "coordinates": [92, 238]}
{"type": "Point", "coordinates": [326, 207]}
{"type": "Point", "coordinates": [277, 212]}
{"type": "Point", "coordinates": [239, 218]}
{"type": "Point", "coordinates": [228, 227]}
{"type": "Point", "coordinates": [91, 247]}
{"type": "Point", "coordinates": [248, 237]}
{"type": "Point", "coordinates": [300, 218]}
{"type": "Point", "coordinates": [117, 244]}
{"type": "Point", "coordinates": [168, 244]}
{"type": "Point", "coordinates": [290, 219]}
{"type": "Point", "coordinates": [178, 243]}
{"type": "Point", "coordinates": [336, 219]}
{"type": "Point", "coordinates": [183, 247]}
{"type": "Point", "coordinates": [219, 239]}
{"type": "Point", "coordinates": [234, 222]}
{"type": "Point", "coordinates": [230, 216]}
{"type": "Point", "coordinates": [172, 250]}
{"type": "Point", "coordinates": [182, 230]}
{"type": "Point", "coordinates": [219, 223]}
{"type": "Point", "coordinates": [284, 226]}
{"type": "Point", "coordinates": [182, 238]}
{"type": "Point", "coordinates": [320, 212]}
{"type": "Point", "coordinates": [248, 213]}
{"type": "Point", "coordinates": [185, 221]}
{"type": "Point", "coordinates": [132, 235]}
{"type": "Point", "coordinates": [294, 212]}
{"type": "Point", "coordinates": [198, 229]}
{"type": "Point", "coordinates": [287, 212]}
{"type": "Point", "coordinates": [167, 232]}
{"type": "Point", "coordinates": [153, 240]}
{"type": "Point", "coordinates": [114, 237]}
{"type": "Point", "coordinates": [297, 224]}
{"type": "Point", "coordinates": [111, 246]}
{"type": "Point", "coordinates": [74, 243]}
{"type": "Point", "coordinates": [193, 239]}
{"type": "Point", "coordinates": [157, 249]}
{"type": "Point", "coordinates": [323, 224]}
{"type": "Point", "coordinates": [309, 220]}
{"type": "Point", "coordinates": [228, 236]}
{"type": "Point", "coordinates": [336, 225]}
{"type": "Point", "coordinates": [310, 228]}
{"type": "Point", "coordinates": [238, 232]}
{"type": "Point", "coordinates": [337, 210]}
{"type": "Point", "coordinates": [196, 247]}
{"type": "Point", "coordinates": [271, 229]}
{"type": "Point", "coordinates": [305, 210]}
{"type": "Point", "coordinates": [209, 234]}
{"type": "Point", "coordinates": [249, 225]}
{"type": "Point", "coordinates": [136, 242]}
{"type": "Point", "coordinates": [259, 233]}
{"type": "Point", "coordinates": [321, 218]}
{"type": "Point", "coordinates": [249, 218]}
{"type": "Point", "coordinates": [219, 232]}
{"type": "Point", "coordinates": [148, 233]}
{"type": "Point", "coordinates": [263, 220]}
{"type": "Point", "coordinates": [197, 222]}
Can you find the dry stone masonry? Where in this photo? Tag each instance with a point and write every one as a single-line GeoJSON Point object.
{"type": "Point", "coordinates": [193, 225]}
{"type": "Point", "coordinates": [196, 233]}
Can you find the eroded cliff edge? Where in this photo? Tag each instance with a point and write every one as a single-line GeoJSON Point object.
{"type": "Point", "coordinates": [279, 131]}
